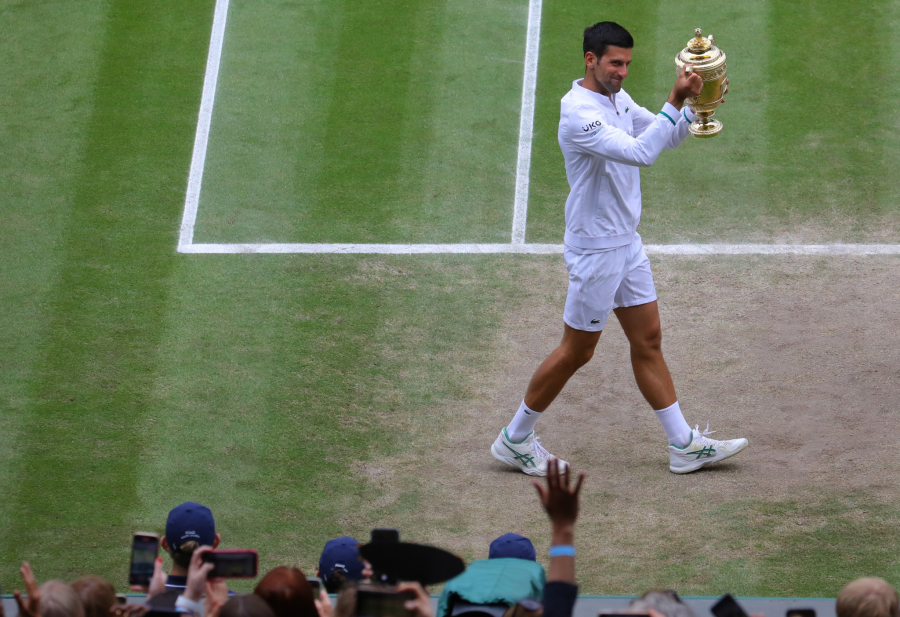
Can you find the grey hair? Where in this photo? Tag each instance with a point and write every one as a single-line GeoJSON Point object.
{"type": "Point", "coordinates": [664, 603]}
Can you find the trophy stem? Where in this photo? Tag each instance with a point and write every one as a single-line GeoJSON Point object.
{"type": "Point", "coordinates": [705, 126]}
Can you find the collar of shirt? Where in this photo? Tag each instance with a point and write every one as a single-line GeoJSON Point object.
{"type": "Point", "coordinates": [609, 101]}
{"type": "Point", "coordinates": [176, 582]}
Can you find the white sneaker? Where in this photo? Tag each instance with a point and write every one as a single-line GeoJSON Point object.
{"type": "Point", "coordinates": [528, 455]}
{"type": "Point", "coordinates": [702, 451]}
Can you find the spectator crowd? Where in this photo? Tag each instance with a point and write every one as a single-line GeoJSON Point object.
{"type": "Point", "coordinates": [510, 583]}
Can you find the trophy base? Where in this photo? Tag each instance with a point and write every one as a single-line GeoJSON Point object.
{"type": "Point", "coordinates": [710, 128]}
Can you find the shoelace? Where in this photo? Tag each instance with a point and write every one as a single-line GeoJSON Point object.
{"type": "Point", "coordinates": [704, 436]}
{"type": "Point", "coordinates": [540, 450]}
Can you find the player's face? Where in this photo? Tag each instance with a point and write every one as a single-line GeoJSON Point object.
{"type": "Point", "coordinates": [611, 70]}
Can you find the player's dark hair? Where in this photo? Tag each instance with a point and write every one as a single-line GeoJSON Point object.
{"type": "Point", "coordinates": [600, 36]}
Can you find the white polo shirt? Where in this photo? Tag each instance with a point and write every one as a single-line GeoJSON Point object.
{"type": "Point", "coordinates": [604, 141]}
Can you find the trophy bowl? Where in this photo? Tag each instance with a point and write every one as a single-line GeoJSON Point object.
{"type": "Point", "coordinates": [708, 61]}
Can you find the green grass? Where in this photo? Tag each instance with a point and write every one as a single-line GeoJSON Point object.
{"type": "Point", "coordinates": [373, 122]}
{"type": "Point", "coordinates": [133, 378]}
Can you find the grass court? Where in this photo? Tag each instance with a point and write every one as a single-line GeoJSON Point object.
{"type": "Point", "coordinates": [303, 397]}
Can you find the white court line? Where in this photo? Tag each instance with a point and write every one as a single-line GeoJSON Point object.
{"type": "Point", "coordinates": [547, 249]}
{"type": "Point", "coordinates": [526, 121]}
{"type": "Point", "coordinates": [198, 159]}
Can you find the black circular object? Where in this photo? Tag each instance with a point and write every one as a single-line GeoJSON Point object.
{"type": "Point", "coordinates": [405, 561]}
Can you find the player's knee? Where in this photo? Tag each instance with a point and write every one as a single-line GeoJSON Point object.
{"type": "Point", "coordinates": [576, 358]}
{"type": "Point", "coordinates": [649, 343]}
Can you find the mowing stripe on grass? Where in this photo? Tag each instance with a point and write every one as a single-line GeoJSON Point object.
{"type": "Point", "coordinates": [50, 52]}
{"type": "Point", "coordinates": [546, 249]}
{"type": "Point", "coordinates": [75, 472]}
{"type": "Point", "coordinates": [526, 121]}
{"type": "Point", "coordinates": [201, 139]}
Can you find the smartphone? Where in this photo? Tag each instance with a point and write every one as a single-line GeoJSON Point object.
{"type": "Point", "coordinates": [801, 612]}
{"type": "Point", "coordinates": [727, 606]}
{"type": "Point", "coordinates": [385, 535]}
{"type": "Point", "coordinates": [315, 583]}
{"type": "Point", "coordinates": [382, 602]}
{"type": "Point", "coordinates": [144, 549]}
{"type": "Point", "coordinates": [232, 563]}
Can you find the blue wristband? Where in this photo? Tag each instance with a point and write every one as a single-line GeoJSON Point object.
{"type": "Point", "coordinates": [562, 550]}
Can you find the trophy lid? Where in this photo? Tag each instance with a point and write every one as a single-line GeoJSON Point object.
{"type": "Point", "coordinates": [701, 51]}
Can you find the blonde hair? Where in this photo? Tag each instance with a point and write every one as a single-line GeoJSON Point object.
{"type": "Point", "coordinates": [58, 599]}
{"type": "Point", "coordinates": [868, 597]}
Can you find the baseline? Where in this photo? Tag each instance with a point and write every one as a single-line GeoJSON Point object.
{"type": "Point", "coordinates": [542, 249]}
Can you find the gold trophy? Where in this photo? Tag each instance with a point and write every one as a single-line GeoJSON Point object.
{"type": "Point", "coordinates": [708, 61]}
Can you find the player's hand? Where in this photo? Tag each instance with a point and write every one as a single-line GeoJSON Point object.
{"type": "Point", "coordinates": [686, 86]}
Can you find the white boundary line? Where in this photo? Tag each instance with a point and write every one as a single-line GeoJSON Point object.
{"type": "Point", "coordinates": [198, 159]}
{"type": "Point", "coordinates": [526, 121]}
{"type": "Point", "coordinates": [517, 245]}
{"type": "Point", "coordinates": [546, 249]}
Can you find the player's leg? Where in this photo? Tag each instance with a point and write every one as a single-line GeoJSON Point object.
{"type": "Point", "coordinates": [575, 350]}
{"type": "Point", "coordinates": [642, 328]}
{"type": "Point", "coordinates": [517, 444]}
{"type": "Point", "coordinates": [638, 313]}
{"type": "Point", "coordinates": [593, 279]}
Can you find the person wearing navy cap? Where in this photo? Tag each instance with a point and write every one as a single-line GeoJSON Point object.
{"type": "Point", "coordinates": [512, 545]}
{"type": "Point", "coordinates": [340, 563]}
{"type": "Point", "coordinates": [189, 526]}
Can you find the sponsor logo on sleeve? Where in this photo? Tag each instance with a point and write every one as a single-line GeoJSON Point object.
{"type": "Point", "coordinates": [592, 125]}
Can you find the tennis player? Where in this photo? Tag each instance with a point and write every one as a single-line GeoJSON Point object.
{"type": "Point", "coordinates": [605, 139]}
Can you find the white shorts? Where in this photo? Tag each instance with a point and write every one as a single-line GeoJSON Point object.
{"type": "Point", "coordinates": [601, 282]}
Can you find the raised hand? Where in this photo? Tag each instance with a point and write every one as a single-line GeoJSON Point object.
{"type": "Point", "coordinates": [559, 499]}
{"type": "Point", "coordinates": [31, 608]}
{"type": "Point", "coordinates": [421, 606]}
{"type": "Point", "coordinates": [198, 571]}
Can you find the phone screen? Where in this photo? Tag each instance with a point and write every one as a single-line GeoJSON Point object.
{"type": "Point", "coordinates": [232, 564]}
{"type": "Point", "coordinates": [381, 603]}
{"type": "Point", "coordinates": [143, 553]}
{"type": "Point", "coordinates": [727, 606]}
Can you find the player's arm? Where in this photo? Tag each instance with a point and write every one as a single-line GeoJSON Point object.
{"type": "Point", "coordinates": [685, 86]}
{"type": "Point", "coordinates": [588, 132]}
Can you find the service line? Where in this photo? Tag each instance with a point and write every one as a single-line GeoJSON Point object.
{"type": "Point", "coordinates": [201, 139]}
{"type": "Point", "coordinates": [526, 121]}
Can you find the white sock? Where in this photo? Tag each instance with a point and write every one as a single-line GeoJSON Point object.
{"type": "Point", "coordinates": [523, 423]}
{"type": "Point", "coordinates": [677, 430]}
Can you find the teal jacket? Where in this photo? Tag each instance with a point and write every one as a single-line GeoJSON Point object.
{"type": "Point", "coordinates": [494, 581]}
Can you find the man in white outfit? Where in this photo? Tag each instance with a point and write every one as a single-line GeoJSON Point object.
{"type": "Point", "coordinates": [605, 138]}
